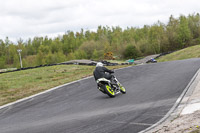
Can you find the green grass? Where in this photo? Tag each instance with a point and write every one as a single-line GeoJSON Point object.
{"type": "Point", "coordinates": [190, 52]}
{"type": "Point", "coordinates": [20, 84]}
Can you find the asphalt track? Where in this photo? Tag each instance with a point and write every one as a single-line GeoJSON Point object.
{"type": "Point", "coordinates": [79, 107]}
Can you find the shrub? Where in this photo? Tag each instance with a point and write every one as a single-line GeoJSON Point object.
{"type": "Point", "coordinates": [131, 52]}
{"type": "Point", "coordinates": [108, 56]}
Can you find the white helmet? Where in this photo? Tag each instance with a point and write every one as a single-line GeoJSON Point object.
{"type": "Point", "coordinates": [99, 64]}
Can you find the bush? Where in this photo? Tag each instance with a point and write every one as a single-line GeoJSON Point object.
{"type": "Point", "coordinates": [29, 61]}
{"type": "Point", "coordinates": [80, 54]}
{"type": "Point", "coordinates": [71, 56]}
{"type": "Point", "coordinates": [88, 47]}
{"type": "Point", "coordinates": [108, 56]}
{"type": "Point", "coordinates": [131, 52]}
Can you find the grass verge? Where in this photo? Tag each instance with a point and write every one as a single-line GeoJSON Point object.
{"type": "Point", "coordinates": [190, 52]}
{"type": "Point", "coordinates": [20, 84]}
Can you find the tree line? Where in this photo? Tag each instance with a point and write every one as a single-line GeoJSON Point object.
{"type": "Point", "coordinates": [132, 42]}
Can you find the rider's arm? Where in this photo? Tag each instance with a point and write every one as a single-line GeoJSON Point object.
{"type": "Point", "coordinates": [107, 70]}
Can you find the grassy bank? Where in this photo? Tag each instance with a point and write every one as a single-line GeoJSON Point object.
{"type": "Point", "coordinates": [190, 52]}
{"type": "Point", "coordinates": [20, 84]}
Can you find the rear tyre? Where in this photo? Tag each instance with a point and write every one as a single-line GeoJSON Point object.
{"type": "Point", "coordinates": [109, 91]}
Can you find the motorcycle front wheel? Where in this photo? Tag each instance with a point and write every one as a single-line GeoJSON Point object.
{"type": "Point", "coordinates": [109, 91]}
{"type": "Point", "coordinates": [123, 90]}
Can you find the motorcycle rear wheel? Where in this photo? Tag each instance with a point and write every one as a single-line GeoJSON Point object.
{"type": "Point", "coordinates": [109, 91]}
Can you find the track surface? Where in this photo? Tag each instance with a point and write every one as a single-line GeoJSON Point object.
{"type": "Point", "coordinates": [80, 108]}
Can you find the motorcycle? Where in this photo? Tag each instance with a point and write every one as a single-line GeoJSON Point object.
{"type": "Point", "coordinates": [152, 61]}
{"type": "Point", "coordinates": [111, 88]}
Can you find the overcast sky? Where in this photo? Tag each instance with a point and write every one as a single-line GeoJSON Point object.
{"type": "Point", "coordinates": [29, 18]}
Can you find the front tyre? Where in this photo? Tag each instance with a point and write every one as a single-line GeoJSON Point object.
{"type": "Point", "coordinates": [109, 91]}
{"type": "Point", "coordinates": [122, 89]}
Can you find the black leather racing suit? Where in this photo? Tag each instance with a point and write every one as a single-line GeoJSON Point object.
{"type": "Point", "coordinates": [99, 72]}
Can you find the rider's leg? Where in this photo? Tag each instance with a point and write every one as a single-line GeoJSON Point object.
{"type": "Point", "coordinates": [116, 80]}
{"type": "Point", "coordinates": [108, 76]}
{"type": "Point", "coordinates": [119, 84]}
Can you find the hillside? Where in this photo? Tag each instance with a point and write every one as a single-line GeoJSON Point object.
{"type": "Point", "coordinates": [187, 53]}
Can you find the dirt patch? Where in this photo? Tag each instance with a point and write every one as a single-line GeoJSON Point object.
{"type": "Point", "coordinates": [189, 123]}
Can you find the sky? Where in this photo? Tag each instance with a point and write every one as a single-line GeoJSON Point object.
{"type": "Point", "coordinates": [34, 18]}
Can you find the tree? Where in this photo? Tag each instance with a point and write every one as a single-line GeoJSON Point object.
{"type": "Point", "coordinates": [71, 56]}
{"type": "Point", "coordinates": [29, 47]}
{"type": "Point", "coordinates": [46, 41]}
{"type": "Point", "coordinates": [156, 33]}
{"type": "Point", "coordinates": [184, 35]}
{"type": "Point", "coordinates": [11, 54]}
{"type": "Point", "coordinates": [60, 57]}
{"type": "Point", "coordinates": [2, 62]}
{"type": "Point", "coordinates": [194, 25]}
{"type": "Point", "coordinates": [79, 38]}
{"type": "Point", "coordinates": [40, 58]}
{"type": "Point", "coordinates": [50, 59]}
{"type": "Point", "coordinates": [65, 44]}
{"type": "Point", "coordinates": [36, 42]}
{"type": "Point", "coordinates": [95, 54]}
{"type": "Point", "coordinates": [2, 48]}
{"type": "Point", "coordinates": [116, 38]}
{"type": "Point", "coordinates": [44, 49]}
{"type": "Point", "coordinates": [71, 41]}
{"type": "Point", "coordinates": [56, 46]}
{"type": "Point", "coordinates": [7, 41]}
{"type": "Point", "coordinates": [172, 33]}
{"type": "Point", "coordinates": [16, 61]}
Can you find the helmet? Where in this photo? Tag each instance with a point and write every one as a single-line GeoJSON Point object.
{"type": "Point", "coordinates": [99, 64]}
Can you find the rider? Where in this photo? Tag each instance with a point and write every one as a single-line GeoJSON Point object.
{"type": "Point", "coordinates": [100, 72]}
